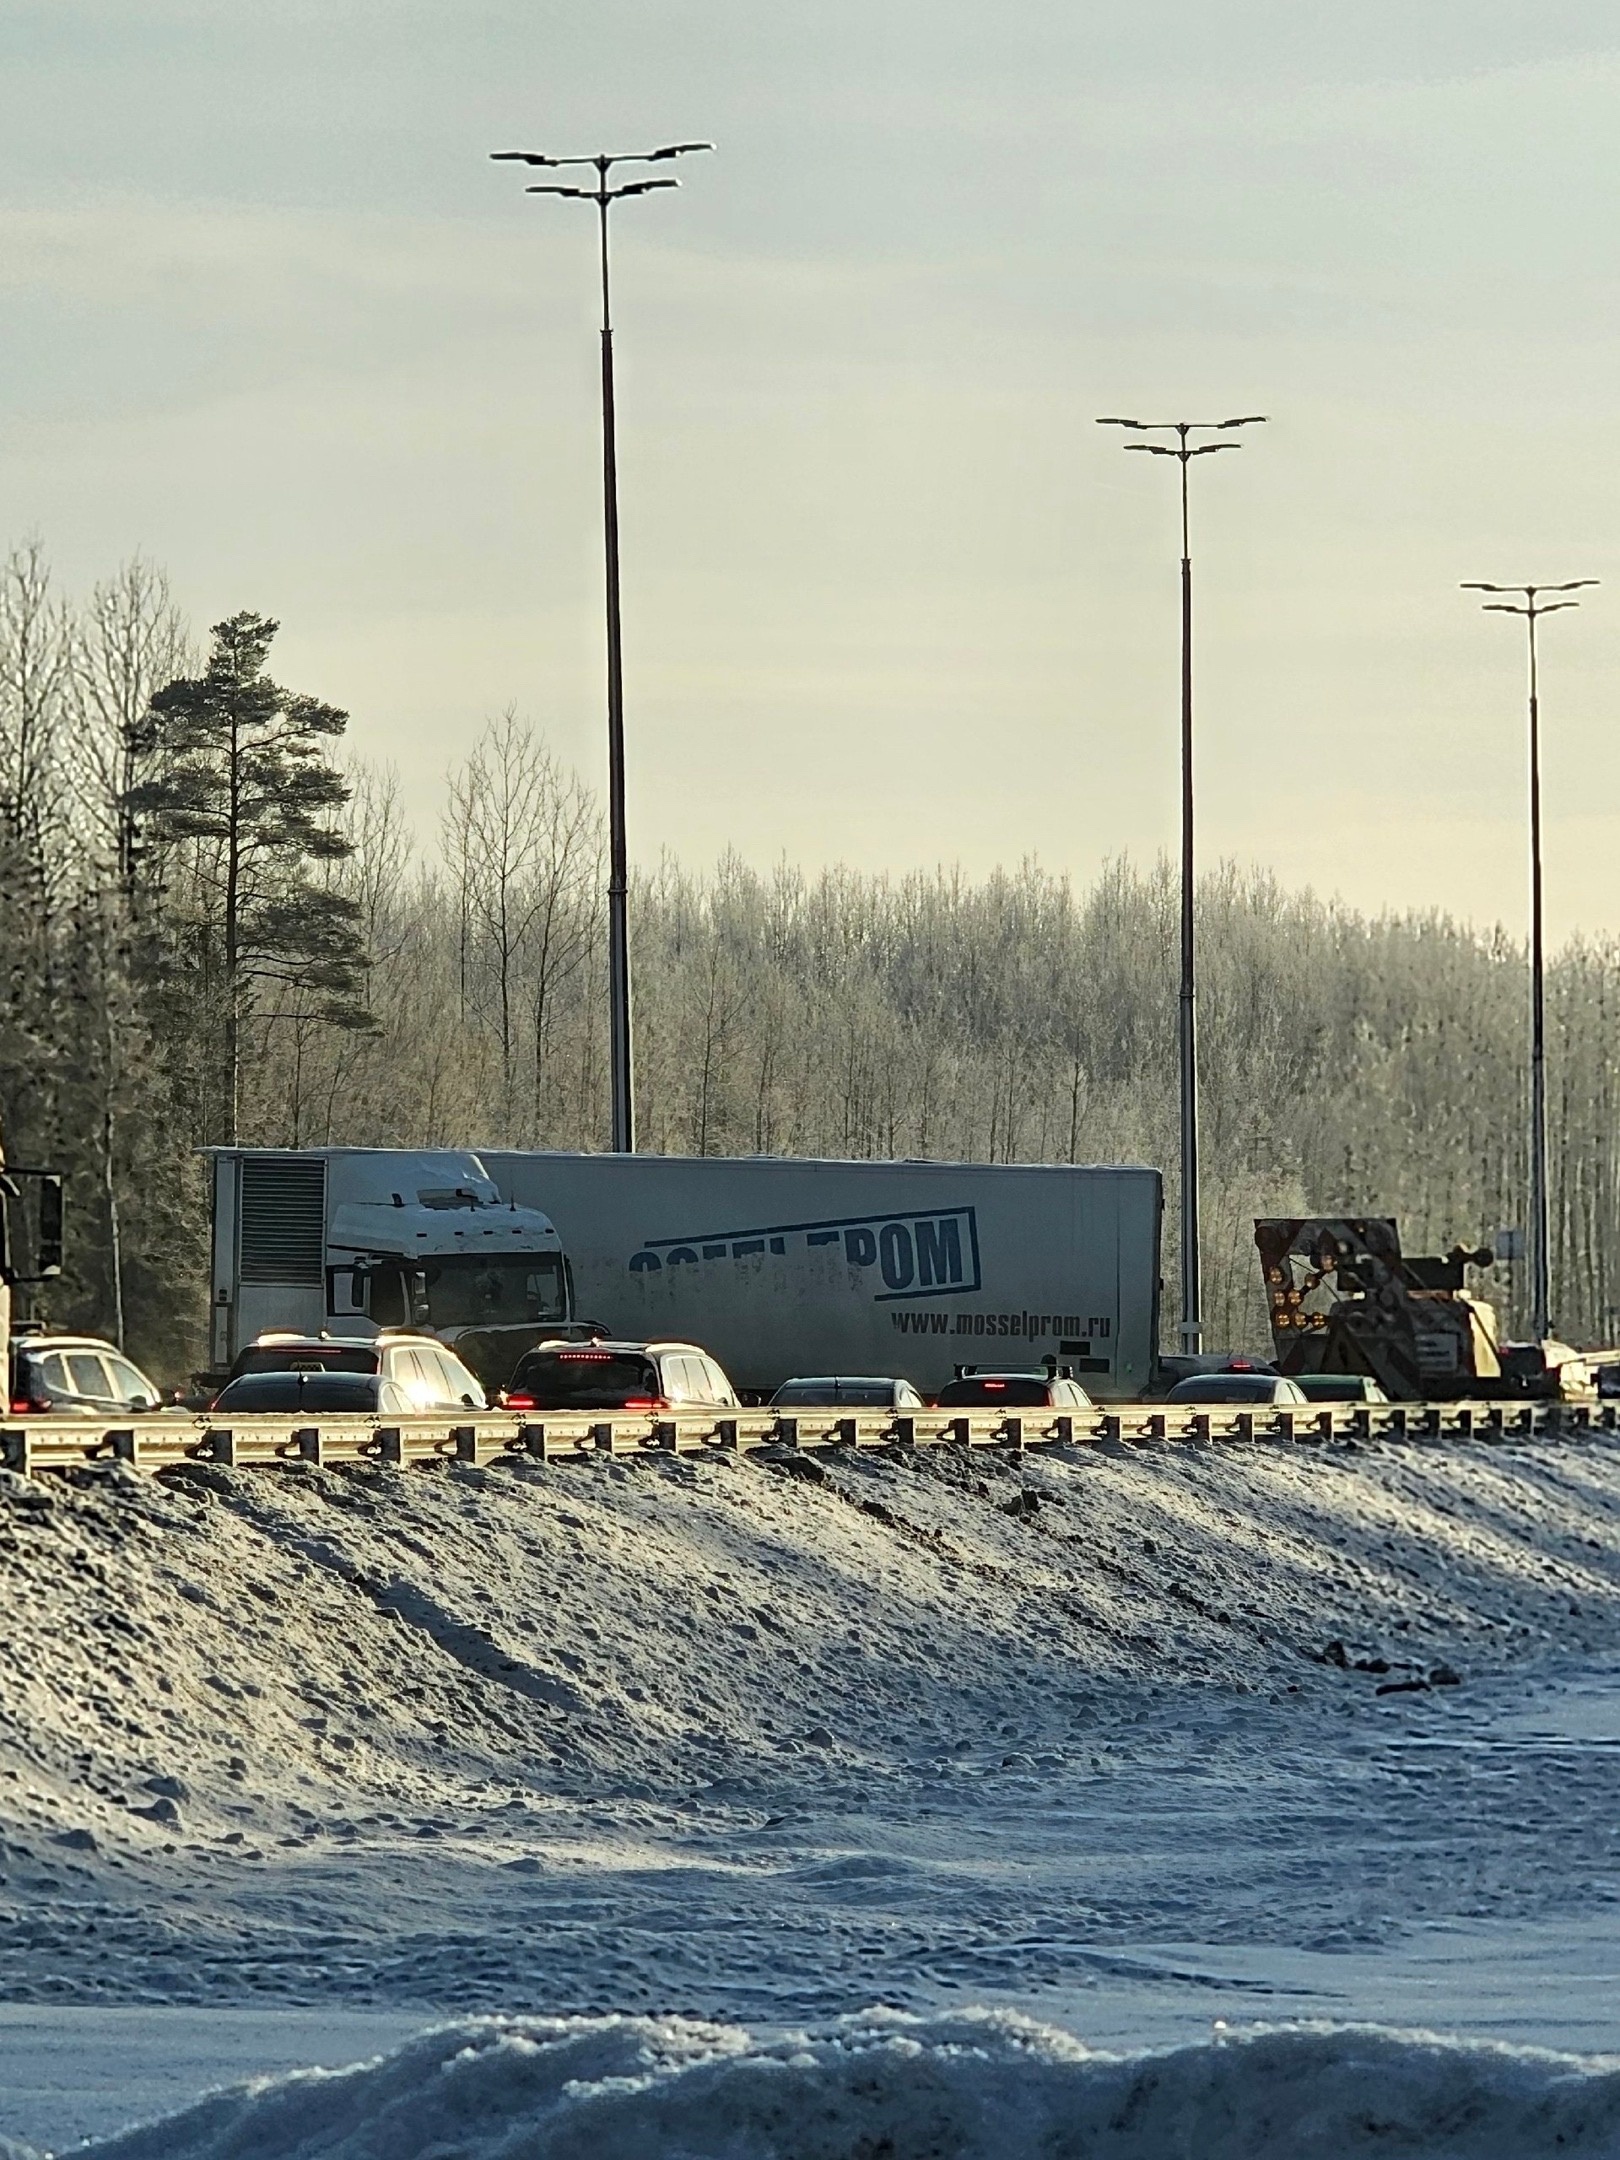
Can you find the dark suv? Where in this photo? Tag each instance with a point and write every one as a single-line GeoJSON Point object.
{"type": "Point", "coordinates": [75, 1376]}
{"type": "Point", "coordinates": [618, 1376]}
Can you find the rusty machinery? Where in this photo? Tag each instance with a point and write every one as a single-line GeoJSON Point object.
{"type": "Point", "coordinates": [1344, 1298]}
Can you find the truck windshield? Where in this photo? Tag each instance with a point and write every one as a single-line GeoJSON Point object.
{"type": "Point", "coordinates": [480, 1292]}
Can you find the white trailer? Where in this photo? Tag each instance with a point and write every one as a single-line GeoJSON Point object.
{"type": "Point", "coordinates": [781, 1266]}
{"type": "Point", "coordinates": [354, 1240]}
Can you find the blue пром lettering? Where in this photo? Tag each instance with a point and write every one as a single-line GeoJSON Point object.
{"type": "Point", "coordinates": [915, 1253]}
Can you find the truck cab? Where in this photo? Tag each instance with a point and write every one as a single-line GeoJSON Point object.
{"type": "Point", "coordinates": [357, 1240]}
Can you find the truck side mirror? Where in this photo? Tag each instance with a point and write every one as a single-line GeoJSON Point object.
{"type": "Point", "coordinates": [48, 1238]}
{"type": "Point", "coordinates": [50, 1225]}
{"type": "Point", "coordinates": [357, 1281]}
{"type": "Point", "coordinates": [420, 1312]}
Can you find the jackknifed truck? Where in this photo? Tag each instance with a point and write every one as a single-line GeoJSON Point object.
{"type": "Point", "coordinates": [776, 1265]}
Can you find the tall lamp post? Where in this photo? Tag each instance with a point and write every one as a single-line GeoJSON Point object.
{"type": "Point", "coordinates": [1527, 602]}
{"type": "Point", "coordinates": [1186, 449]}
{"type": "Point", "coordinates": [603, 195]}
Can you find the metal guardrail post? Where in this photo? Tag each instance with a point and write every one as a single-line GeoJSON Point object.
{"type": "Point", "coordinates": [307, 1442]}
{"type": "Point", "coordinates": [905, 1432]}
{"type": "Point", "coordinates": [602, 1438]}
{"type": "Point", "coordinates": [532, 1440]}
{"type": "Point", "coordinates": [18, 1453]}
{"type": "Point", "coordinates": [391, 1444]}
{"type": "Point", "coordinates": [1012, 1435]}
{"type": "Point", "coordinates": [725, 1432]}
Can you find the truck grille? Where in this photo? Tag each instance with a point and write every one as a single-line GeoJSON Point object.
{"type": "Point", "coordinates": [283, 1221]}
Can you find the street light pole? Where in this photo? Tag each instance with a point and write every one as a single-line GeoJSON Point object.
{"type": "Point", "coordinates": [1529, 604]}
{"type": "Point", "coordinates": [1185, 450]}
{"type": "Point", "coordinates": [620, 1045]}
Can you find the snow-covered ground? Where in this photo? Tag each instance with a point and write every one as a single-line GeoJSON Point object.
{"type": "Point", "coordinates": [1095, 1737]}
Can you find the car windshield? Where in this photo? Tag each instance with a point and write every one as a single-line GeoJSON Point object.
{"type": "Point", "coordinates": [306, 1357]}
{"type": "Point", "coordinates": [995, 1391]}
{"type": "Point", "coordinates": [483, 1291]}
{"type": "Point", "coordinates": [1224, 1387]}
{"type": "Point", "coordinates": [585, 1379]}
{"type": "Point", "coordinates": [300, 1391]}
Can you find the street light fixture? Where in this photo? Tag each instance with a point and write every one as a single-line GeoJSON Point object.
{"type": "Point", "coordinates": [603, 194]}
{"type": "Point", "coordinates": [1528, 603]}
{"type": "Point", "coordinates": [1185, 449]}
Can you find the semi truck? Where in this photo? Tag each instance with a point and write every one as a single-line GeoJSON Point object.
{"type": "Point", "coordinates": [355, 1240]}
{"type": "Point", "coordinates": [778, 1266]}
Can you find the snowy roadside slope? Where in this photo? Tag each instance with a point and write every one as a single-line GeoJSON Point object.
{"type": "Point", "coordinates": [706, 1734]}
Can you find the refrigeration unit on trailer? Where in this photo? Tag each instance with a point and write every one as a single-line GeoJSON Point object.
{"type": "Point", "coordinates": [780, 1266]}
{"type": "Point", "coordinates": [354, 1240]}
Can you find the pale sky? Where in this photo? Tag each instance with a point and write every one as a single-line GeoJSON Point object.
{"type": "Point", "coordinates": [268, 314]}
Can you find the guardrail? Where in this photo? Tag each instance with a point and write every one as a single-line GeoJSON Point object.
{"type": "Point", "coordinates": [156, 1443]}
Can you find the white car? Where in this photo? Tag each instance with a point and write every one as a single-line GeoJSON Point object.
{"type": "Point", "coordinates": [427, 1374]}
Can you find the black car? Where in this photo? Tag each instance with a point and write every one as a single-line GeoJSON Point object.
{"type": "Point", "coordinates": [277, 1393]}
{"type": "Point", "coordinates": [844, 1391]}
{"type": "Point", "coordinates": [58, 1375]}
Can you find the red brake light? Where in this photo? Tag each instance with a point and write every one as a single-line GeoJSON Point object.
{"type": "Point", "coordinates": [991, 1385]}
{"type": "Point", "coordinates": [645, 1402]}
{"type": "Point", "coordinates": [21, 1408]}
{"type": "Point", "coordinates": [518, 1402]}
{"type": "Point", "coordinates": [588, 1357]}
{"type": "Point", "coordinates": [1240, 1364]}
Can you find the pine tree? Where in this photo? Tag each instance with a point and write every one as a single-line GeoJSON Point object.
{"type": "Point", "coordinates": [243, 805]}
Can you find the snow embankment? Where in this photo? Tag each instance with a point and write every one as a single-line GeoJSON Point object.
{"type": "Point", "coordinates": [979, 2086]}
{"type": "Point", "coordinates": [770, 1743]}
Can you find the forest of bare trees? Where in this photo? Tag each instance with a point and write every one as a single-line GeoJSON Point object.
{"type": "Point", "coordinates": [193, 953]}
